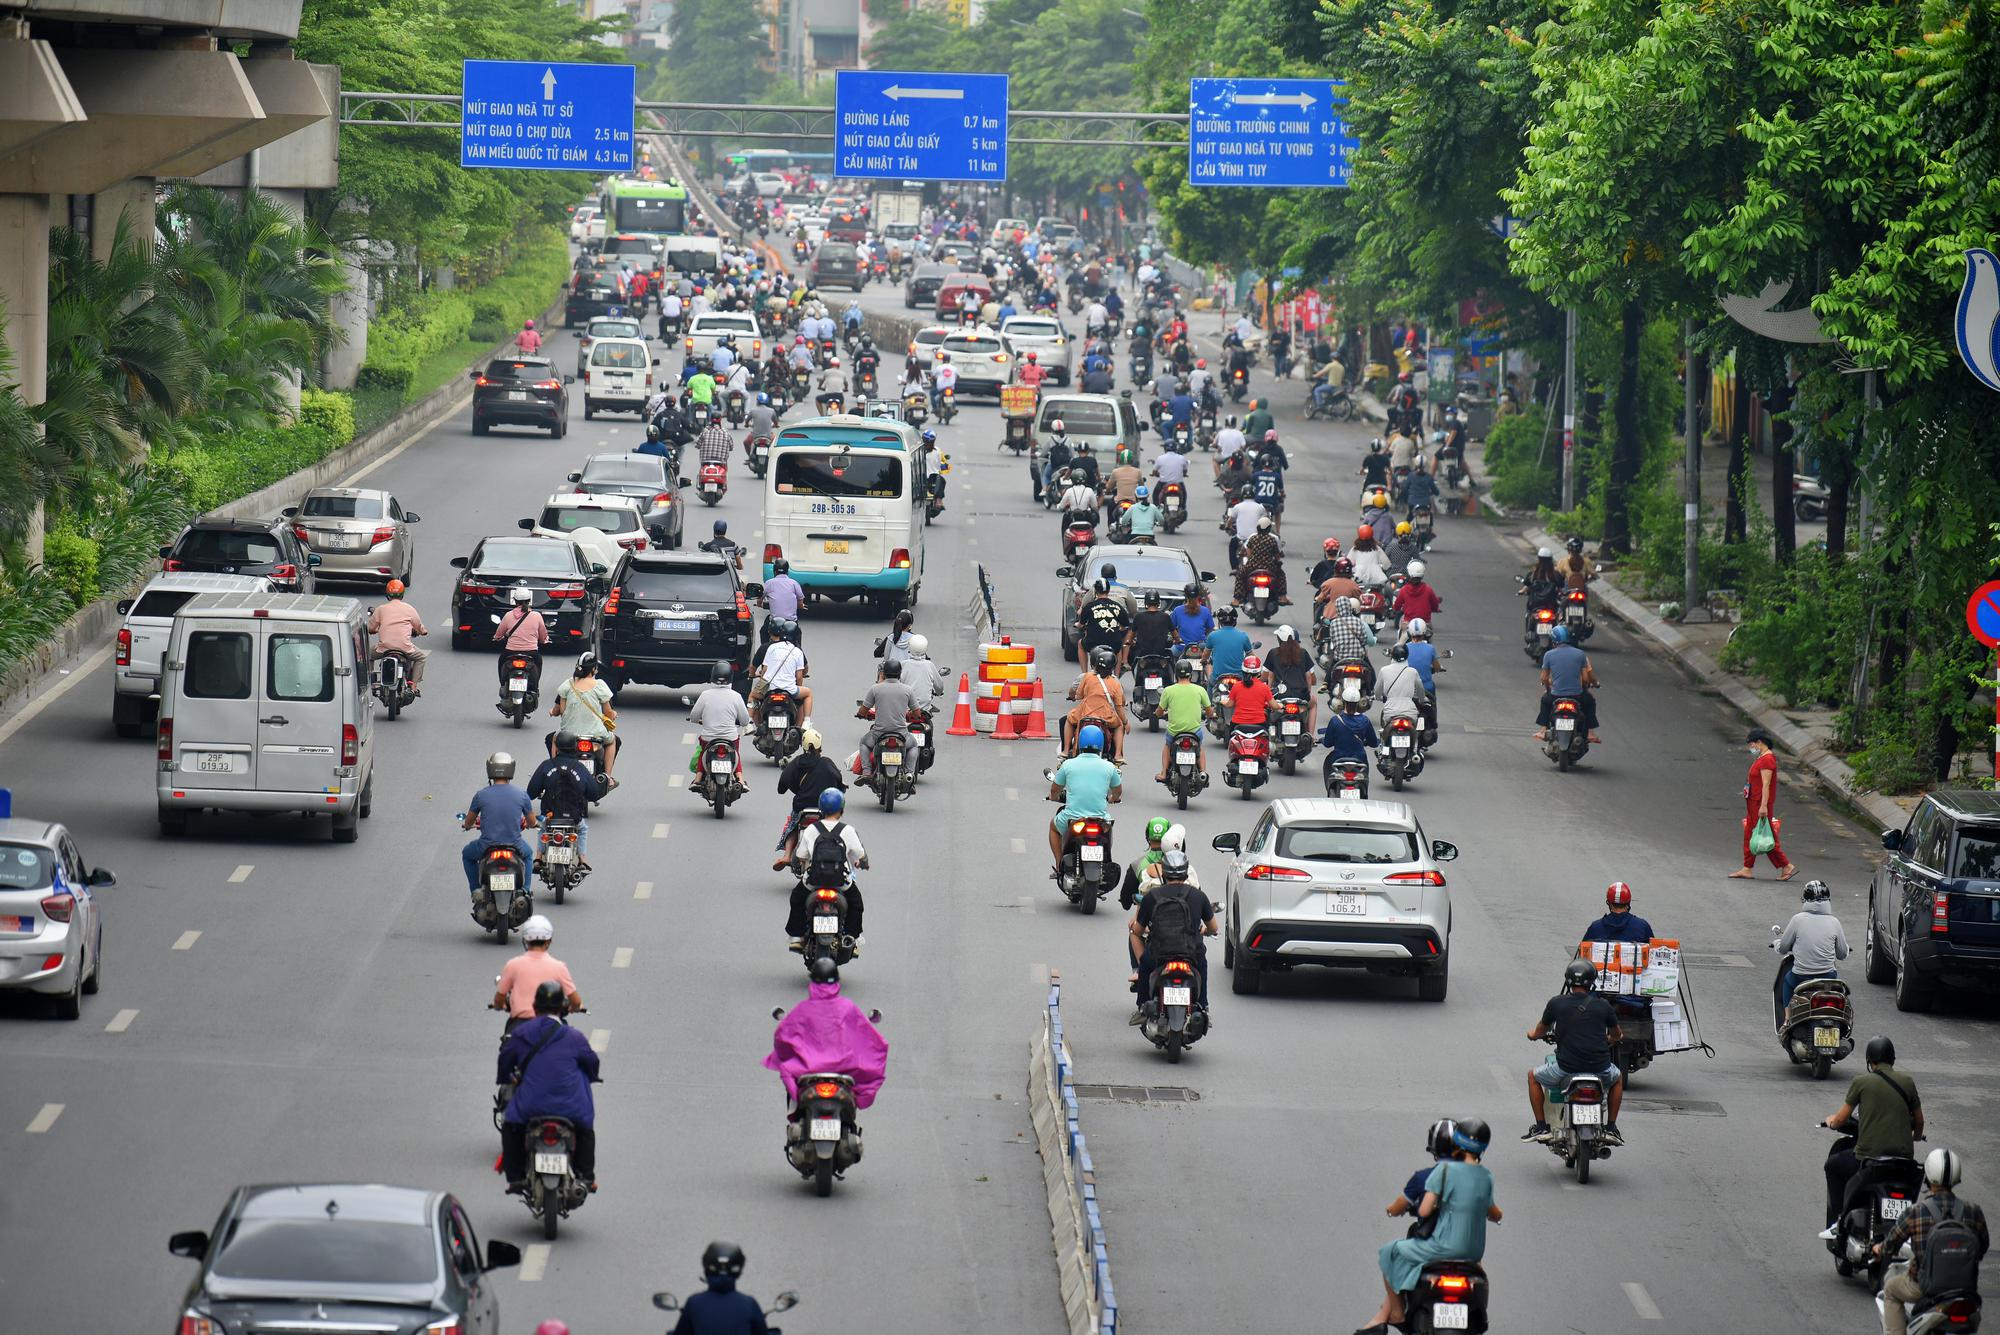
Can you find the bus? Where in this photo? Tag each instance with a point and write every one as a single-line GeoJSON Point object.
{"type": "Point", "coordinates": [844, 503]}
{"type": "Point", "coordinates": [628, 204]}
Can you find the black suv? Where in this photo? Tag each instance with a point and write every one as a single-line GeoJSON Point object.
{"type": "Point", "coordinates": [920, 289]}
{"type": "Point", "coordinates": [521, 391]}
{"type": "Point", "coordinates": [837, 262]}
{"type": "Point", "coordinates": [1934, 908]}
{"type": "Point", "coordinates": [269, 548]}
{"type": "Point", "coordinates": [598, 289]}
{"type": "Point", "coordinates": [671, 616]}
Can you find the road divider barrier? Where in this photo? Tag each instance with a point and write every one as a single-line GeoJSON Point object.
{"type": "Point", "coordinates": [1083, 1259]}
{"type": "Point", "coordinates": [1004, 676]}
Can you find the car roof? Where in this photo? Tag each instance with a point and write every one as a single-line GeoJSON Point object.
{"type": "Point", "coordinates": [347, 491]}
{"type": "Point", "coordinates": [613, 319]}
{"type": "Point", "coordinates": [523, 359]}
{"type": "Point", "coordinates": [734, 317]}
{"type": "Point", "coordinates": [500, 544]}
{"type": "Point", "coordinates": [197, 582]}
{"type": "Point", "coordinates": [1296, 810]}
{"type": "Point", "coordinates": [364, 1202]}
{"type": "Point", "coordinates": [254, 602]}
{"type": "Point", "coordinates": [625, 454]}
{"type": "Point", "coordinates": [1968, 803]}
{"type": "Point", "coordinates": [985, 331]}
{"type": "Point", "coordinates": [1013, 320]}
{"type": "Point", "coordinates": [940, 330]}
{"type": "Point", "coordinates": [577, 500]}
{"type": "Point", "coordinates": [24, 830]}
{"type": "Point", "coordinates": [620, 338]}
{"type": "Point", "coordinates": [224, 524]}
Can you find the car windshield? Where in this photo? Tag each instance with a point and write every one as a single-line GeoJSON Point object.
{"type": "Point", "coordinates": [513, 370]}
{"type": "Point", "coordinates": [528, 557]}
{"type": "Point", "coordinates": [570, 518]}
{"type": "Point", "coordinates": [1345, 843]}
{"type": "Point", "coordinates": [680, 584]}
{"type": "Point", "coordinates": [1978, 857]}
{"type": "Point", "coordinates": [229, 545]}
{"type": "Point", "coordinates": [683, 260]}
{"type": "Point", "coordinates": [802, 473]}
{"type": "Point", "coordinates": [1144, 569]}
{"type": "Point", "coordinates": [930, 337]}
{"type": "Point", "coordinates": [613, 329]}
{"type": "Point", "coordinates": [25, 867]}
{"type": "Point", "coordinates": [1080, 417]}
{"type": "Point", "coordinates": [320, 1251]}
{"type": "Point", "coordinates": [342, 507]}
{"type": "Point", "coordinates": [626, 356]}
{"type": "Point", "coordinates": [623, 470]}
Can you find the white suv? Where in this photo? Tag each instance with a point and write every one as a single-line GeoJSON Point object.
{"type": "Point", "coordinates": [983, 359]}
{"type": "Point", "coordinates": [1347, 884]}
{"type": "Point", "coordinates": [1044, 336]}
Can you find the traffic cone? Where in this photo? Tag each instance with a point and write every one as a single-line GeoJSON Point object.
{"type": "Point", "coordinates": [1038, 721]}
{"type": "Point", "coordinates": [961, 716]}
{"type": "Point", "coordinates": [1003, 722]}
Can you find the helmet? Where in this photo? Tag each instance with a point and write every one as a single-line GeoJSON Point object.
{"type": "Point", "coordinates": [395, 588]}
{"type": "Point", "coordinates": [722, 1259]}
{"type": "Point", "coordinates": [1366, 533]}
{"type": "Point", "coordinates": [1184, 667]}
{"type": "Point", "coordinates": [521, 595]}
{"type": "Point", "coordinates": [1420, 629]}
{"type": "Point", "coordinates": [893, 669]}
{"type": "Point", "coordinates": [1399, 652]}
{"type": "Point", "coordinates": [1173, 865]}
{"type": "Point", "coordinates": [1101, 658]}
{"type": "Point", "coordinates": [1201, 362]}
{"type": "Point", "coordinates": [810, 739]}
{"type": "Point", "coordinates": [1380, 499]}
{"type": "Point", "coordinates": [1141, 492]}
{"type": "Point", "coordinates": [1229, 420]}
{"type": "Point", "coordinates": [1190, 590]}
{"type": "Point", "coordinates": [1252, 663]}
{"type": "Point", "coordinates": [822, 969]}
{"type": "Point", "coordinates": [782, 628]}
{"type": "Point", "coordinates": [537, 928]}
{"type": "Point", "coordinates": [1227, 616]}
{"type": "Point", "coordinates": [1816, 892]}
{"type": "Point", "coordinates": [1472, 1135]}
{"type": "Point", "coordinates": [1574, 544]}
{"type": "Point", "coordinates": [721, 672]}
{"type": "Point", "coordinates": [1285, 634]}
{"type": "Point", "coordinates": [549, 999]}
{"type": "Point", "coordinates": [1090, 737]}
{"type": "Point", "coordinates": [1343, 567]}
{"type": "Point", "coordinates": [930, 437]}
{"type": "Point", "coordinates": [763, 399]}
{"type": "Point", "coordinates": [833, 363]}
{"type": "Point", "coordinates": [832, 802]}
{"type": "Point", "coordinates": [1880, 1051]}
{"type": "Point", "coordinates": [919, 647]}
{"type": "Point", "coordinates": [1156, 829]}
{"type": "Point", "coordinates": [1403, 529]}
{"type": "Point", "coordinates": [586, 664]}
{"type": "Point", "coordinates": [566, 742]}
{"type": "Point", "coordinates": [529, 325]}
{"type": "Point", "coordinates": [1056, 426]}
{"type": "Point", "coordinates": [1271, 436]}
{"type": "Point", "coordinates": [1560, 635]}
{"type": "Point", "coordinates": [1438, 1139]}
{"type": "Point", "coordinates": [1330, 546]}
{"type": "Point", "coordinates": [1263, 523]}
{"type": "Point", "coordinates": [1579, 974]}
{"type": "Point", "coordinates": [721, 527]}
{"type": "Point", "coordinates": [1416, 569]}
{"type": "Point", "coordinates": [1033, 357]}
{"type": "Point", "coordinates": [781, 566]}
{"type": "Point", "coordinates": [1618, 895]}
{"type": "Point", "coordinates": [552, 1328]}
{"type": "Point", "coordinates": [1176, 837]}
{"type": "Point", "coordinates": [1544, 554]}
{"type": "Point", "coordinates": [499, 767]}
{"type": "Point", "coordinates": [1943, 1168]}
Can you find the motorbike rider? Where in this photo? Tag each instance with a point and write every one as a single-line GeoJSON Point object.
{"type": "Point", "coordinates": [721, 1310]}
{"type": "Point", "coordinates": [1056, 455]}
{"type": "Point", "coordinates": [1349, 735]}
{"type": "Point", "coordinates": [1437, 1141]}
{"type": "Point", "coordinates": [1227, 645]}
{"type": "Point", "coordinates": [1152, 633]}
{"type": "Point", "coordinates": [1890, 1117]}
{"type": "Point", "coordinates": [1348, 638]}
{"type": "Point", "coordinates": [784, 598]}
{"type": "Point", "coordinates": [1137, 872]}
{"type": "Point", "coordinates": [1185, 704]}
{"type": "Point", "coordinates": [1375, 467]}
{"type": "Point", "coordinates": [529, 340]}
{"type": "Point", "coordinates": [1585, 1026]}
{"type": "Point", "coordinates": [924, 678]}
{"type": "Point", "coordinates": [564, 785]}
{"type": "Point", "coordinates": [393, 624]}
{"type": "Point", "coordinates": [832, 387]}
{"type": "Point", "coordinates": [1172, 919]}
{"type": "Point", "coordinates": [1417, 600]}
{"type": "Point", "coordinates": [1423, 656]}
{"type": "Point", "coordinates": [1329, 379]}
{"type": "Point", "coordinates": [782, 667]}
{"type": "Point", "coordinates": [1103, 623]}
{"type": "Point", "coordinates": [1032, 373]}
{"type": "Point", "coordinates": [1814, 939]}
{"type": "Point", "coordinates": [1401, 687]}
{"type": "Point", "coordinates": [1193, 622]}
{"type": "Point", "coordinates": [1250, 703]}
{"type": "Point", "coordinates": [1421, 491]}
{"type": "Point", "coordinates": [1573, 567]}
{"type": "Point", "coordinates": [1371, 570]}
{"type": "Point", "coordinates": [500, 812]}
{"type": "Point", "coordinates": [1263, 552]}
{"type": "Point", "coordinates": [828, 853]}
{"type": "Point", "coordinates": [1567, 674]}
{"type": "Point", "coordinates": [1240, 521]}
{"type": "Point", "coordinates": [1086, 784]}
{"type": "Point", "coordinates": [700, 384]}
{"type": "Point", "coordinates": [1400, 548]}
{"type": "Point", "coordinates": [936, 462]}
{"type": "Point", "coordinates": [523, 631]}
{"type": "Point", "coordinates": [552, 1068]}
{"type": "Point", "coordinates": [584, 705]}
{"type": "Point", "coordinates": [1121, 484]}
{"type": "Point", "coordinates": [1377, 514]}
{"type": "Point", "coordinates": [944, 376]}
{"type": "Point", "coordinates": [827, 1032]}
{"type": "Point", "coordinates": [762, 422]}
{"type": "Point", "coordinates": [1337, 584]}
{"type": "Point", "coordinates": [1618, 922]}
{"type": "Point", "coordinates": [720, 715]}
{"type": "Point", "coordinates": [887, 705]}
{"type": "Point", "coordinates": [1910, 1283]}
{"type": "Point", "coordinates": [807, 776]}
{"type": "Point", "coordinates": [719, 541]}
{"type": "Point", "coordinates": [1292, 676]}
{"type": "Point", "coordinates": [1459, 1196]}
{"type": "Point", "coordinates": [1099, 697]}
{"type": "Point", "coordinates": [1542, 583]}
{"type": "Point", "coordinates": [522, 977]}
{"type": "Point", "coordinates": [1142, 521]}
{"type": "Point", "coordinates": [712, 446]}
{"type": "Point", "coordinates": [895, 646]}
{"type": "Point", "coordinates": [1083, 466]}
{"type": "Point", "coordinates": [1077, 505]}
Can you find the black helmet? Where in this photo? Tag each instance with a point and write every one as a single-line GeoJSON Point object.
{"type": "Point", "coordinates": [1816, 892]}
{"type": "Point", "coordinates": [1398, 652]}
{"type": "Point", "coordinates": [1227, 616]}
{"type": "Point", "coordinates": [893, 670]}
{"type": "Point", "coordinates": [1110, 572]}
{"type": "Point", "coordinates": [566, 742]}
{"type": "Point", "coordinates": [1472, 1135]}
{"type": "Point", "coordinates": [1190, 590]}
{"type": "Point", "coordinates": [1579, 974]}
{"type": "Point", "coordinates": [721, 672]}
{"type": "Point", "coordinates": [1101, 658]}
{"type": "Point", "coordinates": [823, 969]}
{"type": "Point", "coordinates": [1881, 1051]}
{"type": "Point", "coordinates": [1152, 597]}
{"type": "Point", "coordinates": [1437, 1141]}
{"type": "Point", "coordinates": [1574, 545]}
{"type": "Point", "coordinates": [1184, 667]}
{"type": "Point", "coordinates": [722, 1259]}
{"type": "Point", "coordinates": [1173, 865]}
{"type": "Point", "coordinates": [781, 566]}
{"type": "Point", "coordinates": [549, 999]}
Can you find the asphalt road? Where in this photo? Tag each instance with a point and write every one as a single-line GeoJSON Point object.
{"type": "Point", "coordinates": [276, 1007]}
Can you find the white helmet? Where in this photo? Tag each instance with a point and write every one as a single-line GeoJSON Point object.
{"type": "Point", "coordinates": [1943, 1168]}
{"type": "Point", "coordinates": [1175, 838]}
{"type": "Point", "coordinates": [1544, 554]}
{"type": "Point", "coordinates": [1285, 634]}
{"type": "Point", "coordinates": [1263, 523]}
{"type": "Point", "coordinates": [1417, 569]}
{"type": "Point", "coordinates": [918, 646]}
{"type": "Point", "coordinates": [522, 595]}
{"type": "Point", "coordinates": [537, 928]}
{"type": "Point", "coordinates": [1419, 628]}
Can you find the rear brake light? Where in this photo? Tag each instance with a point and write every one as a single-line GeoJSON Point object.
{"type": "Point", "coordinates": [1432, 877]}
{"type": "Point", "coordinates": [166, 738]}
{"type": "Point", "coordinates": [571, 592]}
{"type": "Point", "coordinates": [1264, 871]}
{"type": "Point", "coordinates": [1829, 1001]}
{"type": "Point", "coordinates": [1545, 614]}
{"type": "Point", "coordinates": [172, 564]}
{"type": "Point", "coordinates": [124, 658]}
{"type": "Point", "coordinates": [900, 558]}
{"type": "Point", "coordinates": [557, 384]}
{"type": "Point", "coordinates": [1452, 1283]}
{"type": "Point", "coordinates": [57, 908]}
{"type": "Point", "coordinates": [742, 607]}
{"type": "Point", "coordinates": [1940, 911]}
{"type": "Point", "coordinates": [1586, 1094]}
{"type": "Point", "coordinates": [611, 602]}
{"type": "Point", "coordinates": [193, 1323]}
{"type": "Point", "coordinates": [1401, 725]}
{"type": "Point", "coordinates": [825, 894]}
{"type": "Point", "coordinates": [827, 1089]}
{"type": "Point", "coordinates": [1895, 1195]}
{"type": "Point", "coordinates": [350, 745]}
{"type": "Point", "coordinates": [1577, 595]}
{"type": "Point", "coordinates": [551, 1133]}
{"type": "Point", "coordinates": [486, 589]}
{"type": "Point", "coordinates": [633, 542]}
{"type": "Point", "coordinates": [286, 571]}
{"type": "Point", "coordinates": [382, 535]}
{"type": "Point", "coordinates": [663, 498]}
{"type": "Point", "coordinates": [482, 381]}
{"type": "Point", "coordinates": [1261, 577]}
{"type": "Point", "coordinates": [299, 532]}
{"type": "Point", "coordinates": [451, 1325]}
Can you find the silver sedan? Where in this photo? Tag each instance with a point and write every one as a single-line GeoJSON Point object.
{"type": "Point", "coordinates": [358, 533]}
{"type": "Point", "coordinates": [51, 935]}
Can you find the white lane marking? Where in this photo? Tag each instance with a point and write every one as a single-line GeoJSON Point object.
{"type": "Point", "coordinates": [1005, 748]}
{"type": "Point", "coordinates": [1013, 794]}
{"type": "Point", "coordinates": [1952, 1042]}
{"type": "Point", "coordinates": [54, 693]}
{"type": "Point", "coordinates": [45, 1119]}
{"type": "Point", "coordinates": [621, 958]}
{"type": "Point", "coordinates": [600, 1039]}
{"type": "Point", "coordinates": [687, 739]}
{"type": "Point", "coordinates": [676, 780]}
{"type": "Point", "coordinates": [1642, 1301]}
{"type": "Point", "coordinates": [1038, 973]}
{"type": "Point", "coordinates": [972, 542]}
{"type": "Point", "coordinates": [1027, 903]}
{"type": "Point", "coordinates": [969, 519]}
{"type": "Point", "coordinates": [659, 829]}
{"type": "Point", "coordinates": [534, 1262]}
{"type": "Point", "coordinates": [1017, 845]}
{"type": "Point", "coordinates": [643, 890]}
{"type": "Point", "coordinates": [186, 940]}
{"type": "Point", "coordinates": [242, 873]}
{"type": "Point", "coordinates": [1509, 1082]}
{"type": "Point", "coordinates": [121, 1022]}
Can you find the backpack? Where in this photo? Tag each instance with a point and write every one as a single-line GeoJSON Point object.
{"type": "Point", "coordinates": [1171, 931]}
{"type": "Point", "coordinates": [1950, 1259]}
{"type": "Point", "coordinates": [564, 793]}
{"type": "Point", "coordinates": [829, 856]}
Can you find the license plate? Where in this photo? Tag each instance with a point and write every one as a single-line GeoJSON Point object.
{"type": "Point", "coordinates": [834, 547]}
{"type": "Point", "coordinates": [1893, 1208]}
{"type": "Point", "coordinates": [721, 767]}
{"type": "Point", "coordinates": [1400, 743]}
{"type": "Point", "coordinates": [916, 739]}
{"type": "Point", "coordinates": [517, 394]}
{"type": "Point", "coordinates": [559, 853]}
{"type": "Point", "coordinates": [826, 925]}
{"type": "Point", "coordinates": [1177, 996]}
{"type": "Point", "coordinates": [1565, 725]}
{"type": "Point", "coordinates": [518, 685]}
{"type": "Point", "coordinates": [1451, 1316]}
{"type": "Point", "coordinates": [1184, 758]}
{"type": "Point", "coordinates": [501, 882]}
{"type": "Point", "coordinates": [1152, 683]}
{"type": "Point", "coordinates": [1248, 766]}
{"type": "Point", "coordinates": [825, 1128]}
{"type": "Point", "coordinates": [1354, 793]}
{"type": "Point", "coordinates": [1586, 1114]}
{"type": "Point", "coordinates": [1260, 593]}
{"type": "Point", "coordinates": [892, 757]}
{"type": "Point", "coordinates": [1576, 614]}
{"type": "Point", "coordinates": [1092, 853]}
{"type": "Point", "coordinates": [1543, 628]}
{"type": "Point", "coordinates": [778, 720]}
{"type": "Point", "coordinates": [676, 627]}
{"type": "Point", "coordinates": [1290, 727]}
{"type": "Point", "coordinates": [551, 1162]}
{"type": "Point", "coordinates": [214, 762]}
{"type": "Point", "coordinates": [1826, 1038]}
{"type": "Point", "coordinates": [1350, 903]}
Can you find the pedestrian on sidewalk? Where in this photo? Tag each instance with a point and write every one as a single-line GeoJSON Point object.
{"type": "Point", "coordinates": [1760, 795]}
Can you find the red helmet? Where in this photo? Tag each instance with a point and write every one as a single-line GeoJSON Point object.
{"type": "Point", "coordinates": [1619, 895]}
{"type": "Point", "coordinates": [1330, 546]}
{"type": "Point", "coordinates": [1201, 362]}
{"type": "Point", "coordinates": [552, 1328]}
{"type": "Point", "coordinates": [1364, 533]}
{"type": "Point", "coordinates": [1252, 663]}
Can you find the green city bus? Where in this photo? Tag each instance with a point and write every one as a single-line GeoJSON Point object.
{"type": "Point", "coordinates": [629, 204]}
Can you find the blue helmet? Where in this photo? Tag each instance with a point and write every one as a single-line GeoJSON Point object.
{"type": "Point", "coordinates": [763, 398]}
{"type": "Point", "coordinates": [1560, 634]}
{"type": "Point", "coordinates": [930, 437]}
{"type": "Point", "coordinates": [832, 802]}
{"type": "Point", "coordinates": [1471, 1135]}
{"type": "Point", "coordinates": [1090, 737]}
{"type": "Point", "coordinates": [722, 527]}
{"type": "Point", "coordinates": [1142, 493]}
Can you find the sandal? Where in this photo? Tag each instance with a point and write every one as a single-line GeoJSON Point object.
{"type": "Point", "coordinates": [1791, 870]}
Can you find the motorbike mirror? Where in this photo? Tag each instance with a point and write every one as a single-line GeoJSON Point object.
{"type": "Point", "coordinates": [1226, 843]}
{"type": "Point", "coordinates": [874, 1017]}
{"type": "Point", "coordinates": [1444, 851]}
{"type": "Point", "coordinates": [753, 590]}
{"type": "Point", "coordinates": [666, 1302]}
{"type": "Point", "coordinates": [192, 1244]}
{"type": "Point", "coordinates": [777, 1012]}
{"type": "Point", "coordinates": [500, 1255]}
{"type": "Point", "coordinates": [1447, 653]}
{"type": "Point", "coordinates": [786, 1301]}
{"type": "Point", "coordinates": [1776, 930]}
{"type": "Point", "coordinates": [1049, 774]}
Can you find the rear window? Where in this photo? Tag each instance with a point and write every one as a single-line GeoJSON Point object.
{"type": "Point", "coordinates": [614, 329]}
{"type": "Point", "coordinates": [1080, 417]}
{"type": "Point", "coordinates": [724, 324]}
{"type": "Point", "coordinates": [981, 345]}
{"type": "Point", "coordinates": [860, 474]}
{"type": "Point", "coordinates": [513, 370]}
{"type": "Point", "coordinates": [691, 261]}
{"type": "Point", "coordinates": [1345, 843]}
{"type": "Point", "coordinates": [687, 584]}
{"type": "Point", "coordinates": [1978, 856]}
{"type": "Point", "coordinates": [568, 519]}
{"type": "Point", "coordinates": [837, 250]}
{"type": "Point", "coordinates": [930, 337]}
{"type": "Point", "coordinates": [25, 867]}
{"type": "Point", "coordinates": [161, 603]}
{"type": "Point", "coordinates": [205, 544]}
{"type": "Point", "coordinates": [623, 470]}
{"type": "Point", "coordinates": [628, 356]}
{"type": "Point", "coordinates": [628, 245]}
{"type": "Point", "coordinates": [1144, 569]}
{"type": "Point", "coordinates": [342, 507]}
{"type": "Point", "coordinates": [218, 666]}
{"type": "Point", "coordinates": [313, 1251]}
{"type": "Point", "coordinates": [301, 668]}
{"type": "Point", "coordinates": [535, 557]}
{"type": "Point", "coordinates": [1032, 328]}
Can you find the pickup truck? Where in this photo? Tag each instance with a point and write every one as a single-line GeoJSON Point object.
{"type": "Point", "coordinates": [142, 639]}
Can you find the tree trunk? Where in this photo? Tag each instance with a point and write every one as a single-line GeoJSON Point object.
{"type": "Point", "coordinates": [1625, 444]}
{"type": "Point", "coordinates": [1837, 489]}
{"type": "Point", "coordinates": [1734, 525]}
{"type": "Point", "coordinates": [1783, 465]}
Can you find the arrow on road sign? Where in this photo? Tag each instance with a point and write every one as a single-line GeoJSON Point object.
{"type": "Point", "coordinates": [1300, 100]}
{"type": "Point", "coordinates": [548, 85]}
{"type": "Point", "coordinates": [896, 92]}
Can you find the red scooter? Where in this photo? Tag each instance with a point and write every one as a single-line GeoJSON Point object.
{"type": "Point", "coordinates": [712, 483]}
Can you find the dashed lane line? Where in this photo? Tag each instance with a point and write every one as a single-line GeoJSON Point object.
{"type": "Point", "coordinates": [600, 1039]}
{"type": "Point", "coordinates": [45, 1119]}
{"type": "Point", "coordinates": [1017, 845]}
{"type": "Point", "coordinates": [242, 873]}
{"type": "Point", "coordinates": [676, 780]}
{"type": "Point", "coordinates": [534, 1262]}
{"type": "Point", "coordinates": [121, 1022]}
{"type": "Point", "coordinates": [1013, 794]}
{"type": "Point", "coordinates": [1642, 1302]}
{"type": "Point", "coordinates": [621, 958]}
{"type": "Point", "coordinates": [186, 940]}
{"type": "Point", "coordinates": [1027, 903]}
{"type": "Point", "coordinates": [659, 829]}
{"type": "Point", "coordinates": [643, 890]}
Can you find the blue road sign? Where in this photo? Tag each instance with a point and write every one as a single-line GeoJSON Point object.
{"type": "Point", "coordinates": [1268, 132]}
{"type": "Point", "coordinates": [920, 127]}
{"type": "Point", "coordinates": [533, 115]}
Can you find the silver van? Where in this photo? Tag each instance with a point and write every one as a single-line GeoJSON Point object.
{"type": "Point", "coordinates": [1108, 421]}
{"type": "Point", "coordinates": [265, 706]}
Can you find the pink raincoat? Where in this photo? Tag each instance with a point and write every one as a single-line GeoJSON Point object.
{"type": "Point", "coordinates": [827, 1032]}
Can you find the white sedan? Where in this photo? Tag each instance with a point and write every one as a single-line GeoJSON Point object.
{"type": "Point", "coordinates": [605, 527]}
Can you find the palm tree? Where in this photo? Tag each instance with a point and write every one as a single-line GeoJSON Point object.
{"type": "Point", "coordinates": [28, 465]}
{"type": "Point", "coordinates": [286, 268]}
{"type": "Point", "coordinates": [242, 356]}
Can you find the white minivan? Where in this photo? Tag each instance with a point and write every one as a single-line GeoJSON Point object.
{"type": "Point", "coordinates": [844, 504]}
{"type": "Point", "coordinates": [265, 706]}
{"type": "Point", "coordinates": [618, 377]}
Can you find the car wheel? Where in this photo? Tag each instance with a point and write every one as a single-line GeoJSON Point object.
{"type": "Point", "coordinates": [1913, 994]}
{"type": "Point", "coordinates": [347, 828]}
{"type": "Point", "coordinates": [1876, 966]}
{"type": "Point", "coordinates": [1068, 649]}
{"type": "Point", "coordinates": [173, 823]}
{"type": "Point", "coordinates": [128, 715]}
{"type": "Point", "coordinates": [478, 426]}
{"type": "Point", "coordinates": [1432, 983]}
{"type": "Point", "coordinates": [1245, 979]}
{"type": "Point", "coordinates": [589, 410]}
{"type": "Point", "coordinates": [561, 429]}
{"type": "Point", "coordinates": [69, 1006]}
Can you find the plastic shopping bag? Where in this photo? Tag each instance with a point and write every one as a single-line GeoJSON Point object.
{"type": "Point", "coordinates": [1761, 838]}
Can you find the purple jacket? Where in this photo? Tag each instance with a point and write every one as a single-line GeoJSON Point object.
{"type": "Point", "coordinates": [827, 1032]}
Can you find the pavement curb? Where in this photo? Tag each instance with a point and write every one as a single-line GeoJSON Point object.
{"type": "Point", "coordinates": [1082, 1256]}
{"type": "Point", "coordinates": [1831, 772]}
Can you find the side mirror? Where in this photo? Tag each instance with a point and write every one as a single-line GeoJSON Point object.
{"type": "Point", "coordinates": [314, 559]}
{"type": "Point", "coordinates": [100, 879]}
{"type": "Point", "coordinates": [753, 590]}
{"type": "Point", "coordinates": [598, 585]}
{"type": "Point", "coordinates": [1063, 572]}
{"type": "Point", "coordinates": [786, 1301]}
{"type": "Point", "coordinates": [524, 523]}
{"type": "Point", "coordinates": [290, 512]}
{"type": "Point", "coordinates": [666, 1302]}
{"type": "Point", "coordinates": [1443, 851]}
{"type": "Point", "coordinates": [1892, 840]}
{"type": "Point", "coordinates": [500, 1255]}
{"type": "Point", "coordinates": [166, 552]}
{"type": "Point", "coordinates": [599, 568]}
{"type": "Point", "coordinates": [777, 1012]}
{"type": "Point", "coordinates": [1208, 577]}
{"type": "Point", "coordinates": [124, 606]}
{"type": "Point", "coordinates": [1231, 843]}
{"type": "Point", "coordinates": [573, 477]}
{"type": "Point", "coordinates": [472, 375]}
{"type": "Point", "coordinates": [681, 482]}
{"type": "Point", "coordinates": [409, 518]}
{"type": "Point", "coordinates": [656, 361]}
{"type": "Point", "coordinates": [461, 562]}
{"type": "Point", "coordinates": [192, 1244]}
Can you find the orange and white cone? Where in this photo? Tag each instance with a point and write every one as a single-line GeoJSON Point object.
{"type": "Point", "coordinates": [961, 715]}
{"type": "Point", "coordinates": [1003, 724]}
{"type": "Point", "coordinates": [1038, 721]}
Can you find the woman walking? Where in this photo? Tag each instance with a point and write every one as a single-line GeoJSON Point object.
{"type": "Point", "coordinates": [1760, 795]}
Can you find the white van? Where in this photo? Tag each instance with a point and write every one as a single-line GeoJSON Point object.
{"type": "Point", "coordinates": [618, 376]}
{"type": "Point", "coordinates": [1109, 422]}
{"type": "Point", "coordinates": [265, 706]}
{"type": "Point", "coordinates": [698, 257]}
{"type": "Point", "coordinates": [844, 504]}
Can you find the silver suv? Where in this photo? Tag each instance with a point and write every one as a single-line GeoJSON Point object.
{"type": "Point", "coordinates": [1350, 885]}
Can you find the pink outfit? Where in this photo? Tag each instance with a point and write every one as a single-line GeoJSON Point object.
{"type": "Point", "coordinates": [827, 1032]}
{"type": "Point", "coordinates": [525, 634]}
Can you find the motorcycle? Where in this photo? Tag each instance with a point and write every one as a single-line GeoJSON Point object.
{"type": "Point", "coordinates": [699, 416]}
{"type": "Point", "coordinates": [1339, 406]}
{"type": "Point", "coordinates": [1172, 1019]}
{"type": "Point", "coordinates": [1817, 1028]}
{"type": "Point", "coordinates": [1374, 609]}
{"type": "Point", "coordinates": [1348, 780]}
{"type": "Point", "coordinates": [822, 1132]}
{"type": "Point", "coordinates": [712, 483]}
{"type": "Point", "coordinates": [1220, 705]}
{"type": "Point", "coordinates": [558, 860]}
{"type": "Point", "coordinates": [827, 936]}
{"type": "Point", "coordinates": [1888, 1189]}
{"type": "Point", "coordinates": [828, 349]}
{"type": "Point", "coordinates": [591, 752]}
{"type": "Point", "coordinates": [1957, 1313]}
{"type": "Point", "coordinates": [865, 383]}
{"type": "Point", "coordinates": [1295, 740]}
{"type": "Point", "coordinates": [670, 328]}
{"type": "Point", "coordinates": [1180, 439]}
{"type": "Point", "coordinates": [1141, 367]}
{"type": "Point", "coordinates": [1078, 535]}
{"type": "Point", "coordinates": [554, 1189]}
{"type": "Point", "coordinates": [890, 775]}
{"type": "Point", "coordinates": [799, 250]}
{"type": "Point", "coordinates": [1347, 684]}
{"type": "Point", "coordinates": [735, 407]}
{"type": "Point", "coordinates": [777, 734]}
{"type": "Point", "coordinates": [916, 409]}
{"type": "Point", "coordinates": [759, 450]}
{"type": "Point", "coordinates": [781, 399]}
{"type": "Point", "coordinates": [947, 407]}
{"type": "Point", "coordinates": [1085, 872]}
{"type": "Point", "coordinates": [801, 384]}
{"type": "Point", "coordinates": [1810, 498]}
{"type": "Point", "coordinates": [934, 493]}
{"type": "Point", "coordinates": [1401, 757]}
{"type": "Point", "coordinates": [1205, 436]}
{"type": "Point", "coordinates": [716, 781]}
{"type": "Point", "coordinates": [1150, 676]}
{"type": "Point", "coordinates": [503, 900]}
{"type": "Point", "coordinates": [1239, 384]}
{"type": "Point", "coordinates": [393, 686]}
{"type": "Point", "coordinates": [923, 738]}
{"type": "Point", "coordinates": [1568, 740]}
{"type": "Point", "coordinates": [1423, 526]}
{"type": "Point", "coordinates": [1249, 761]}
{"type": "Point", "coordinates": [1263, 603]}
{"type": "Point", "coordinates": [1576, 615]}
{"type": "Point", "coordinates": [1185, 777]}
{"type": "Point", "coordinates": [1537, 636]}
{"type": "Point", "coordinates": [1018, 434]}
{"type": "Point", "coordinates": [1173, 505]}
{"type": "Point", "coordinates": [1576, 1124]}
{"type": "Point", "coordinates": [520, 686]}
{"type": "Point", "coordinates": [1449, 1295]}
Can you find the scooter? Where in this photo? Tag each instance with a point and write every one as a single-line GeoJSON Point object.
{"type": "Point", "coordinates": [787, 1300]}
{"type": "Point", "coordinates": [759, 450]}
{"type": "Point", "coordinates": [826, 936]}
{"type": "Point", "coordinates": [504, 898]}
{"type": "Point", "coordinates": [916, 409]}
{"type": "Point", "coordinates": [1085, 872]}
{"type": "Point", "coordinates": [1263, 603]}
{"type": "Point", "coordinates": [1180, 438]}
{"type": "Point", "coordinates": [777, 734]}
{"type": "Point", "coordinates": [716, 781]}
{"type": "Point", "coordinates": [1295, 740]}
{"type": "Point", "coordinates": [1889, 1189]}
{"type": "Point", "coordinates": [1538, 632]}
{"type": "Point", "coordinates": [1347, 685]}
{"type": "Point", "coordinates": [1078, 535]}
{"type": "Point", "coordinates": [1401, 756]}
{"type": "Point", "coordinates": [1347, 780]}
{"type": "Point", "coordinates": [1172, 1019]}
{"type": "Point", "coordinates": [1449, 1295]}
{"type": "Point", "coordinates": [1810, 498]}
{"type": "Point", "coordinates": [1248, 760]}
{"type": "Point", "coordinates": [923, 738]}
{"type": "Point", "coordinates": [1576, 1124]}
{"type": "Point", "coordinates": [1150, 676]}
{"type": "Point", "coordinates": [1239, 384]}
{"type": "Point", "coordinates": [1019, 434]}
{"type": "Point", "coordinates": [1817, 1028]}
{"type": "Point", "coordinates": [1568, 740]}
{"type": "Point", "coordinates": [712, 483]}
{"type": "Point", "coordinates": [520, 686]}
{"type": "Point", "coordinates": [1173, 505]}
{"type": "Point", "coordinates": [822, 1132]}
{"type": "Point", "coordinates": [1185, 776]}
{"type": "Point", "coordinates": [554, 1189]}
{"type": "Point", "coordinates": [891, 775]}
{"type": "Point", "coordinates": [947, 406]}
{"type": "Point", "coordinates": [1956, 1313]}
{"type": "Point", "coordinates": [735, 407]}
{"type": "Point", "coordinates": [559, 861]}
{"type": "Point", "coordinates": [1576, 615]}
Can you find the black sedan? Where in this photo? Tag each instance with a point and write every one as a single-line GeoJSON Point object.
{"type": "Point", "coordinates": [342, 1257]}
{"type": "Point", "coordinates": [565, 589]}
{"type": "Point", "coordinates": [521, 391]}
{"type": "Point", "coordinates": [921, 287]}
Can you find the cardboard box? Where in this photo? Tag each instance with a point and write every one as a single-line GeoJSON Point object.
{"type": "Point", "coordinates": [1662, 975]}
{"type": "Point", "coordinates": [1671, 1031]}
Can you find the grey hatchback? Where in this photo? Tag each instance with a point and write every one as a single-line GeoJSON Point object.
{"type": "Point", "coordinates": [51, 934]}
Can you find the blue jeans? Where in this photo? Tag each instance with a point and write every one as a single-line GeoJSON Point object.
{"type": "Point", "coordinates": [1790, 984]}
{"type": "Point", "coordinates": [476, 849]}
